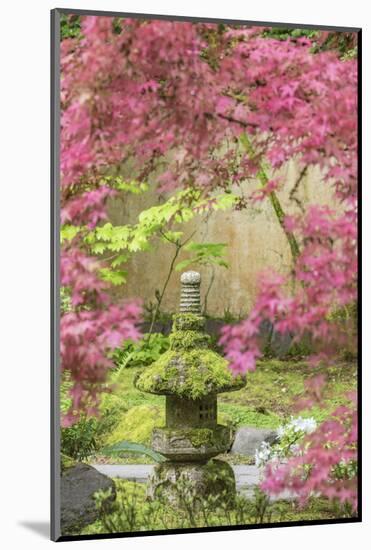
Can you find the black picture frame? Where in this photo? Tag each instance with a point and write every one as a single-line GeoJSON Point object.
{"type": "Point", "coordinates": [55, 264]}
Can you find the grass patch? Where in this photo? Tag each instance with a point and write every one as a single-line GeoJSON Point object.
{"type": "Point", "coordinates": [273, 389]}
{"type": "Point", "coordinates": [132, 512]}
{"type": "Point", "coordinates": [241, 415]}
{"type": "Point", "coordinates": [267, 401]}
{"type": "Point", "coordinates": [137, 424]}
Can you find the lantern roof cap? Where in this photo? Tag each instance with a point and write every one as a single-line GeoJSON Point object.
{"type": "Point", "coordinates": [192, 374]}
{"type": "Point", "coordinates": [190, 278]}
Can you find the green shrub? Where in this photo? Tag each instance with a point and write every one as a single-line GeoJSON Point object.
{"type": "Point", "coordinates": [282, 33]}
{"type": "Point", "coordinates": [79, 441]}
{"type": "Point", "coordinates": [65, 297]}
{"type": "Point", "coordinates": [142, 353]}
{"type": "Point", "coordinates": [84, 438]}
{"type": "Point", "coordinates": [70, 26]}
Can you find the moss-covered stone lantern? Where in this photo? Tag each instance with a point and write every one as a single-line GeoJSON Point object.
{"type": "Point", "coordinates": [191, 375]}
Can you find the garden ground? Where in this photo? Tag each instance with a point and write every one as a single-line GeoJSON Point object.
{"type": "Point", "coordinates": [268, 399]}
{"type": "Point", "coordinates": [132, 512]}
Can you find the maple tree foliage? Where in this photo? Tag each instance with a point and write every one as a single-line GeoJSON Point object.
{"type": "Point", "coordinates": [221, 104]}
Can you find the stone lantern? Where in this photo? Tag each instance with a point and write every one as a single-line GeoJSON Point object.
{"type": "Point", "coordinates": [191, 375]}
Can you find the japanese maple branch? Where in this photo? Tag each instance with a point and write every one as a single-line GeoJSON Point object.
{"type": "Point", "coordinates": [236, 121]}
{"type": "Point", "coordinates": [263, 179]}
{"type": "Point", "coordinates": [296, 186]}
{"type": "Point", "coordinates": [208, 289]}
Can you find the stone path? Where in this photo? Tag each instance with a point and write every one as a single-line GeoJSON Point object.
{"type": "Point", "coordinates": [247, 477]}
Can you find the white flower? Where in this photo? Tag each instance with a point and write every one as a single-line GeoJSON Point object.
{"type": "Point", "coordinates": [263, 454]}
{"type": "Point", "coordinates": [306, 425]}
{"type": "Point", "coordinates": [295, 448]}
{"type": "Point", "coordinates": [281, 431]}
{"type": "Point", "coordinates": [294, 430]}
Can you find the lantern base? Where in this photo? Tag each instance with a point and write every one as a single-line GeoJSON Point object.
{"type": "Point", "coordinates": [213, 481]}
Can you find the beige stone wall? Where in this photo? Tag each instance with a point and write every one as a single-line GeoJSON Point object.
{"type": "Point", "coordinates": [255, 241]}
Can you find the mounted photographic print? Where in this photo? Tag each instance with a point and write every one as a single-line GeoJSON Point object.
{"type": "Point", "coordinates": [204, 274]}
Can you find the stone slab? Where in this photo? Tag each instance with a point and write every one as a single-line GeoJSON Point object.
{"type": "Point", "coordinates": [248, 439]}
{"type": "Point", "coordinates": [78, 485]}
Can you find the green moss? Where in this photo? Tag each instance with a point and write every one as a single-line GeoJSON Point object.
{"type": "Point", "coordinates": [198, 436]}
{"type": "Point", "coordinates": [137, 425]}
{"type": "Point", "coordinates": [201, 437]}
{"type": "Point", "coordinates": [188, 321]}
{"type": "Point", "coordinates": [188, 340]}
{"type": "Point", "coordinates": [189, 369]}
{"type": "Point", "coordinates": [190, 374]}
{"type": "Point", "coordinates": [205, 486]}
